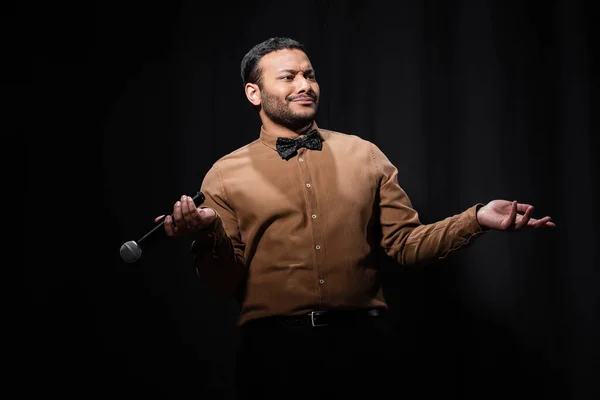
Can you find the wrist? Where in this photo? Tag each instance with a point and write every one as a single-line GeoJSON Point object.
{"type": "Point", "coordinates": [478, 218]}
{"type": "Point", "coordinates": [209, 228]}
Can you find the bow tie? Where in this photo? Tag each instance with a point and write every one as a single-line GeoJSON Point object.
{"type": "Point", "coordinates": [287, 147]}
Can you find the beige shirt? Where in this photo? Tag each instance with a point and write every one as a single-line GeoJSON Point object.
{"type": "Point", "coordinates": [298, 235]}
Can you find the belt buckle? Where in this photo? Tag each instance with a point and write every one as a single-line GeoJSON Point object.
{"type": "Point", "coordinates": [312, 318]}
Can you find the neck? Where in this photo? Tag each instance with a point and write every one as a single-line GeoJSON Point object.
{"type": "Point", "coordinates": [280, 130]}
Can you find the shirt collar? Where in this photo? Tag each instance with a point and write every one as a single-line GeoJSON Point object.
{"type": "Point", "coordinates": [269, 138]}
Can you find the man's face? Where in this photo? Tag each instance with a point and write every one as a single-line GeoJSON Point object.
{"type": "Point", "coordinates": [289, 92]}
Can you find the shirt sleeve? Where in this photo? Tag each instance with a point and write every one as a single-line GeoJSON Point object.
{"type": "Point", "coordinates": [218, 249]}
{"type": "Point", "coordinates": [404, 237]}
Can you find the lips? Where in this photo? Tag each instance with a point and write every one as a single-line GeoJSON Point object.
{"type": "Point", "coordinates": [304, 100]}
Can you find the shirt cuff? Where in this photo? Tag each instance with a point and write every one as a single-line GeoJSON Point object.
{"type": "Point", "coordinates": [476, 208]}
{"type": "Point", "coordinates": [469, 230]}
{"type": "Point", "coordinates": [472, 227]}
{"type": "Point", "coordinates": [209, 237]}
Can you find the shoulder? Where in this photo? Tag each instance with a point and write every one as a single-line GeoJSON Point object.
{"type": "Point", "coordinates": [356, 145]}
{"type": "Point", "coordinates": [238, 157]}
{"type": "Point", "coordinates": [343, 138]}
{"type": "Point", "coordinates": [229, 165]}
{"type": "Point", "coordinates": [239, 152]}
{"type": "Point", "coordinates": [351, 143]}
{"type": "Point", "coordinates": [232, 161]}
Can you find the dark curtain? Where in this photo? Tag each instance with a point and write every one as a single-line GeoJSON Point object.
{"type": "Point", "coordinates": [128, 104]}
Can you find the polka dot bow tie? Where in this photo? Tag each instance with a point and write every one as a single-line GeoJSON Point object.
{"type": "Point", "coordinates": [287, 147]}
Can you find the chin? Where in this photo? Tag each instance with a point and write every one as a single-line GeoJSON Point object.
{"type": "Point", "coordinates": [306, 114]}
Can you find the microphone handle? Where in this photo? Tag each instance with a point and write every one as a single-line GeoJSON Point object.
{"type": "Point", "coordinates": [198, 199]}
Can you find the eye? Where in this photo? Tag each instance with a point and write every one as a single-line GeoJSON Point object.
{"type": "Point", "coordinates": [311, 77]}
{"type": "Point", "coordinates": [287, 78]}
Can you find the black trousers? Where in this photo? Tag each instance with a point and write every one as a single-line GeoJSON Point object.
{"type": "Point", "coordinates": [339, 361]}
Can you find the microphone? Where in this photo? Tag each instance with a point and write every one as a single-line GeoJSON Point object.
{"type": "Point", "coordinates": [131, 251]}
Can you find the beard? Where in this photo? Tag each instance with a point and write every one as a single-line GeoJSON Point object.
{"type": "Point", "coordinates": [280, 112]}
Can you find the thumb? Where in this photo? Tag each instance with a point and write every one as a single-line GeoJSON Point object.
{"type": "Point", "coordinates": [207, 214]}
{"type": "Point", "coordinates": [158, 218]}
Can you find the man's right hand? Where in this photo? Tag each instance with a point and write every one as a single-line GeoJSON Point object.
{"type": "Point", "coordinates": [187, 218]}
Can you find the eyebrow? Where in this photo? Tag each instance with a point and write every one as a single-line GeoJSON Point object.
{"type": "Point", "coordinates": [293, 71]}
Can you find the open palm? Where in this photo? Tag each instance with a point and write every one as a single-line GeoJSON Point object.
{"type": "Point", "coordinates": [506, 215]}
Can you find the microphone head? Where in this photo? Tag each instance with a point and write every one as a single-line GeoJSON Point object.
{"type": "Point", "coordinates": [130, 252]}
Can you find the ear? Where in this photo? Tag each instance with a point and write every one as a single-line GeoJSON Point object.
{"type": "Point", "coordinates": [253, 93]}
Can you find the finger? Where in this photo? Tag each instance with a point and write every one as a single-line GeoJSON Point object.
{"type": "Point", "coordinates": [169, 227]}
{"type": "Point", "coordinates": [537, 223]}
{"type": "Point", "coordinates": [177, 219]}
{"type": "Point", "coordinates": [508, 222]}
{"type": "Point", "coordinates": [158, 218]}
{"type": "Point", "coordinates": [541, 222]}
{"type": "Point", "coordinates": [522, 221]}
{"type": "Point", "coordinates": [185, 211]}
{"type": "Point", "coordinates": [207, 215]}
{"type": "Point", "coordinates": [197, 216]}
{"type": "Point", "coordinates": [191, 216]}
{"type": "Point", "coordinates": [522, 207]}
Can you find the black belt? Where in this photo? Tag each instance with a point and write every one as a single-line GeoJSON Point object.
{"type": "Point", "coordinates": [318, 318]}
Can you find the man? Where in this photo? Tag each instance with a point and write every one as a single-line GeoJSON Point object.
{"type": "Point", "coordinates": [290, 226]}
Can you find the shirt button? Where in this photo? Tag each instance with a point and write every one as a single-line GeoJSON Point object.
{"type": "Point", "coordinates": [308, 185]}
{"type": "Point", "coordinates": [321, 281]}
{"type": "Point", "coordinates": [314, 216]}
{"type": "Point", "coordinates": [318, 247]}
{"type": "Point", "coordinates": [301, 159]}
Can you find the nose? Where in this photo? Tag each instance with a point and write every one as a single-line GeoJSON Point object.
{"type": "Point", "coordinates": [303, 84]}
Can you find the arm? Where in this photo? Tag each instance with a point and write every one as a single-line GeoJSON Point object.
{"type": "Point", "coordinates": [218, 259]}
{"type": "Point", "coordinates": [404, 237]}
{"type": "Point", "coordinates": [217, 247]}
{"type": "Point", "coordinates": [412, 243]}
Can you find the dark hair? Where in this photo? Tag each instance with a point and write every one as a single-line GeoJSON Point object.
{"type": "Point", "coordinates": [250, 71]}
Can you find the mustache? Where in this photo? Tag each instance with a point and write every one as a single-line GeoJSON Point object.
{"type": "Point", "coordinates": [310, 95]}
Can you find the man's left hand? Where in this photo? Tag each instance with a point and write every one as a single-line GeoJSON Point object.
{"type": "Point", "coordinates": [505, 215]}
